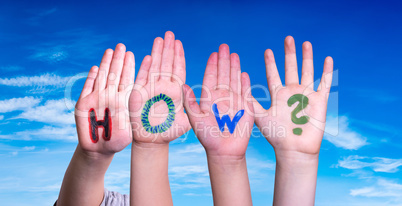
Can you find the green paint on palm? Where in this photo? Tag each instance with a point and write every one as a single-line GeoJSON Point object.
{"type": "Point", "coordinates": [303, 102]}
{"type": "Point", "coordinates": [297, 131]}
{"type": "Point", "coordinates": [169, 120]}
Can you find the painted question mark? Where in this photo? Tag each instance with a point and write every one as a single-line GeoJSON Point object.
{"type": "Point", "coordinates": [303, 102]}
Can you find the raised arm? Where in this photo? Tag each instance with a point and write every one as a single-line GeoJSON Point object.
{"type": "Point", "coordinates": [225, 100]}
{"type": "Point", "coordinates": [157, 117]}
{"type": "Point", "coordinates": [103, 128]}
{"type": "Point", "coordinates": [299, 115]}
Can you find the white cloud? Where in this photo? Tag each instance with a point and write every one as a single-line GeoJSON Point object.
{"type": "Point", "coordinates": [77, 41]}
{"type": "Point", "coordinates": [384, 128]}
{"type": "Point", "coordinates": [45, 188]}
{"type": "Point", "coordinates": [47, 12]}
{"type": "Point", "coordinates": [182, 171]}
{"type": "Point", "coordinates": [38, 15]}
{"type": "Point", "coordinates": [378, 164]}
{"type": "Point", "coordinates": [197, 194]}
{"type": "Point", "coordinates": [382, 188]}
{"type": "Point", "coordinates": [188, 167]}
{"type": "Point", "coordinates": [118, 181]}
{"type": "Point", "coordinates": [346, 138]}
{"type": "Point", "coordinates": [257, 166]}
{"type": "Point", "coordinates": [65, 133]}
{"type": "Point", "coordinates": [52, 112]}
{"type": "Point", "coordinates": [261, 171]}
{"type": "Point", "coordinates": [39, 81]}
{"type": "Point", "coordinates": [53, 55]}
{"type": "Point", "coordinates": [381, 96]}
{"type": "Point", "coordinates": [24, 149]}
{"type": "Point", "coordinates": [192, 148]}
{"type": "Point", "coordinates": [11, 68]}
{"type": "Point", "coordinates": [1, 117]}
{"type": "Point", "coordinates": [360, 174]}
{"type": "Point", "coordinates": [50, 133]}
{"type": "Point", "coordinates": [15, 104]}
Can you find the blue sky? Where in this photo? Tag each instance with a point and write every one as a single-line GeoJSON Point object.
{"type": "Point", "coordinates": [46, 43]}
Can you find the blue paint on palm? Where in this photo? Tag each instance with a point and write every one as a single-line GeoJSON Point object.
{"type": "Point", "coordinates": [231, 124]}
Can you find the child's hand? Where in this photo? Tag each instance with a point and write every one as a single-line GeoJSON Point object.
{"type": "Point", "coordinates": [156, 111]}
{"type": "Point", "coordinates": [277, 123]}
{"type": "Point", "coordinates": [295, 133]}
{"type": "Point", "coordinates": [225, 92]}
{"type": "Point", "coordinates": [106, 92]}
{"type": "Point", "coordinates": [223, 122]}
{"type": "Point", "coordinates": [103, 127]}
{"type": "Point", "coordinates": [157, 117]}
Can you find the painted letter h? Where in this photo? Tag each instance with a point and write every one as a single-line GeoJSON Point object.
{"type": "Point", "coordinates": [106, 123]}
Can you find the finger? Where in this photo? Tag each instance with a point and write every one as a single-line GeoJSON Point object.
{"type": "Point", "coordinates": [179, 64]}
{"type": "Point", "coordinates": [142, 76]}
{"type": "Point", "coordinates": [167, 56]}
{"type": "Point", "coordinates": [260, 115]}
{"type": "Point", "coordinates": [117, 65]}
{"type": "Point", "coordinates": [210, 81]}
{"type": "Point", "coordinates": [156, 54]}
{"type": "Point", "coordinates": [258, 109]}
{"type": "Point", "coordinates": [211, 71]}
{"type": "Point", "coordinates": [223, 65]}
{"type": "Point", "coordinates": [89, 83]}
{"type": "Point", "coordinates": [100, 82]}
{"type": "Point", "coordinates": [246, 91]}
{"type": "Point", "coordinates": [127, 75]}
{"type": "Point", "coordinates": [190, 104]}
{"type": "Point", "coordinates": [245, 85]}
{"type": "Point", "coordinates": [308, 67]}
{"type": "Point", "coordinates": [273, 79]}
{"type": "Point", "coordinates": [326, 79]}
{"type": "Point", "coordinates": [235, 81]}
{"type": "Point", "coordinates": [291, 76]}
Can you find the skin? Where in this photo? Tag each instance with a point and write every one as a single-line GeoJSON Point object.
{"type": "Point", "coordinates": [296, 155]}
{"type": "Point", "coordinates": [225, 85]}
{"type": "Point", "coordinates": [107, 86]}
{"type": "Point", "coordinates": [162, 72]}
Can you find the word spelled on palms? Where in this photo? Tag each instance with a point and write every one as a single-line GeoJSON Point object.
{"type": "Point", "coordinates": [107, 88]}
{"type": "Point", "coordinates": [161, 75]}
{"type": "Point", "coordinates": [225, 86]}
{"type": "Point", "coordinates": [276, 123]}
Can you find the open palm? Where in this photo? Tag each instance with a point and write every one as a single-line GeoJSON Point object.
{"type": "Point", "coordinates": [106, 88]}
{"type": "Point", "coordinates": [225, 86]}
{"type": "Point", "coordinates": [161, 76]}
{"type": "Point", "coordinates": [276, 124]}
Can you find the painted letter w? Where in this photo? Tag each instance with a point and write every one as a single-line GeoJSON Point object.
{"type": "Point", "coordinates": [231, 124]}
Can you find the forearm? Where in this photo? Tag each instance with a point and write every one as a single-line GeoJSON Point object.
{"type": "Point", "coordinates": [83, 183]}
{"type": "Point", "coordinates": [149, 175]}
{"type": "Point", "coordinates": [295, 179]}
{"type": "Point", "coordinates": [229, 181]}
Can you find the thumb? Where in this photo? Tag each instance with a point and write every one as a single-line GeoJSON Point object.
{"type": "Point", "coordinates": [190, 104]}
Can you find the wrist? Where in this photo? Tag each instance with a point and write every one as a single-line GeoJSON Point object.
{"type": "Point", "coordinates": [93, 157]}
{"type": "Point", "coordinates": [149, 151]}
{"type": "Point", "coordinates": [295, 156]}
{"type": "Point", "coordinates": [295, 178]}
{"type": "Point", "coordinates": [89, 165]}
{"type": "Point", "coordinates": [296, 162]}
{"type": "Point", "coordinates": [229, 180]}
{"type": "Point", "coordinates": [227, 163]}
{"type": "Point", "coordinates": [225, 155]}
{"type": "Point", "coordinates": [149, 145]}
